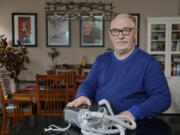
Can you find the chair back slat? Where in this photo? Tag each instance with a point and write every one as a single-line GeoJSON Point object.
{"type": "Point", "coordinates": [71, 73]}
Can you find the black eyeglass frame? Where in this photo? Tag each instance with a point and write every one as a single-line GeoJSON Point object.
{"type": "Point", "coordinates": [121, 31]}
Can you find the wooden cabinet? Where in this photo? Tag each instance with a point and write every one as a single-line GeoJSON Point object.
{"type": "Point", "coordinates": [164, 44]}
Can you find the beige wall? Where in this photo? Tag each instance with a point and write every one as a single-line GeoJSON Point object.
{"type": "Point", "coordinates": [38, 55]}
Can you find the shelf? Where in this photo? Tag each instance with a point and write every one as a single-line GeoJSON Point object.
{"type": "Point", "coordinates": [157, 52]}
{"type": "Point", "coordinates": [175, 52]}
{"type": "Point", "coordinates": [176, 40]}
{"type": "Point", "coordinates": [158, 31]}
{"type": "Point", "coordinates": [176, 31]}
{"type": "Point", "coordinates": [158, 40]}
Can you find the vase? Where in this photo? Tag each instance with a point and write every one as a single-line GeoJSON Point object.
{"type": "Point", "coordinates": [12, 85]}
{"type": "Point", "coordinates": [52, 64]}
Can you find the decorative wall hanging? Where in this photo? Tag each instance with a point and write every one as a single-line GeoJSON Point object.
{"type": "Point", "coordinates": [92, 32]}
{"type": "Point", "coordinates": [57, 32]}
{"type": "Point", "coordinates": [24, 29]}
{"type": "Point", "coordinates": [74, 9]}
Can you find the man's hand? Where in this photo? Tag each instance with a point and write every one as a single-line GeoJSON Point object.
{"type": "Point", "coordinates": [79, 101]}
{"type": "Point", "coordinates": [127, 113]}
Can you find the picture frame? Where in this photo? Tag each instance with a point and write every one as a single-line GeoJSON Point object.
{"type": "Point", "coordinates": [136, 17]}
{"type": "Point", "coordinates": [58, 32]}
{"type": "Point", "coordinates": [92, 31]}
{"type": "Point", "coordinates": [24, 29]}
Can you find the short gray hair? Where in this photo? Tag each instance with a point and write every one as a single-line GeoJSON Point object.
{"type": "Point", "coordinates": [126, 16]}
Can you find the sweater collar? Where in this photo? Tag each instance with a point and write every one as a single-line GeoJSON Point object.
{"type": "Point", "coordinates": [127, 58]}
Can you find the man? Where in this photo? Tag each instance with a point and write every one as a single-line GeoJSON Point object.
{"type": "Point", "coordinates": [130, 79]}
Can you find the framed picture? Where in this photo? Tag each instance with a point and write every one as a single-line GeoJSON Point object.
{"type": "Point", "coordinates": [24, 29]}
{"type": "Point", "coordinates": [136, 17]}
{"type": "Point", "coordinates": [57, 32]}
{"type": "Point", "coordinates": [92, 31]}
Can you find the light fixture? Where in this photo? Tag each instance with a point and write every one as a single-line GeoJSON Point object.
{"type": "Point", "coordinates": [71, 10]}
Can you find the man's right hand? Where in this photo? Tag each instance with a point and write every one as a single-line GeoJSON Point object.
{"type": "Point", "coordinates": [79, 101]}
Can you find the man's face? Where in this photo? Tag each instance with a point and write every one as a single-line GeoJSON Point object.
{"type": "Point", "coordinates": [87, 27]}
{"type": "Point", "coordinates": [123, 43]}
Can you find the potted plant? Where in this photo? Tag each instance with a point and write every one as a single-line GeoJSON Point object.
{"type": "Point", "coordinates": [13, 59]}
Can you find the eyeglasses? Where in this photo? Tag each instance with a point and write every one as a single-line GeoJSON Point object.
{"type": "Point", "coordinates": [124, 32]}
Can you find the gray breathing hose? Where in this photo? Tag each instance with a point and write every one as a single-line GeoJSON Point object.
{"type": "Point", "coordinates": [99, 123]}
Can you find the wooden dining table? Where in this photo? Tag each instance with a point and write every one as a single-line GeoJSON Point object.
{"type": "Point", "coordinates": [30, 95]}
{"type": "Point", "coordinates": [34, 125]}
{"type": "Point", "coordinates": [25, 95]}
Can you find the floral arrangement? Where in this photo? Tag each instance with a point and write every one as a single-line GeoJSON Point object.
{"type": "Point", "coordinates": [12, 58]}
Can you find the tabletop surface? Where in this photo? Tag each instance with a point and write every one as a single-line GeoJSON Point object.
{"type": "Point", "coordinates": [34, 125]}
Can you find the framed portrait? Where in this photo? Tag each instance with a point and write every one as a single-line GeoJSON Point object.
{"type": "Point", "coordinates": [136, 17]}
{"type": "Point", "coordinates": [57, 32]}
{"type": "Point", "coordinates": [92, 31]}
{"type": "Point", "coordinates": [24, 29]}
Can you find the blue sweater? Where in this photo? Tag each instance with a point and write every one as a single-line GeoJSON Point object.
{"type": "Point", "coordinates": [136, 84]}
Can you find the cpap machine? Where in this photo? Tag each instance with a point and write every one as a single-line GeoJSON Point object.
{"type": "Point", "coordinates": [95, 120]}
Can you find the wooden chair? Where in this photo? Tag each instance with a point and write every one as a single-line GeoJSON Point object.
{"type": "Point", "coordinates": [52, 94]}
{"type": "Point", "coordinates": [71, 73]}
{"type": "Point", "coordinates": [13, 109]}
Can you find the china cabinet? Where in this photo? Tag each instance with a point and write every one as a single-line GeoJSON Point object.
{"type": "Point", "coordinates": [164, 44]}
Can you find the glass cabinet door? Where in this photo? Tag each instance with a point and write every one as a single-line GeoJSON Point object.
{"type": "Point", "coordinates": [175, 44]}
{"type": "Point", "coordinates": [175, 50]}
{"type": "Point", "coordinates": [164, 43]}
{"type": "Point", "coordinates": [158, 34]}
{"type": "Point", "coordinates": [175, 65]}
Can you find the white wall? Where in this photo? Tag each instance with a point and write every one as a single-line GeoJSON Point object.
{"type": "Point", "coordinates": [38, 55]}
